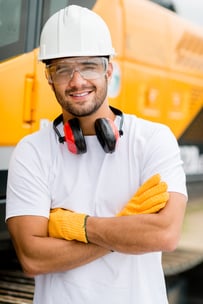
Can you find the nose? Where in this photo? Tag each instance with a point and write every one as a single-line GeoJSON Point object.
{"type": "Point", "coordinates": [76, 78]}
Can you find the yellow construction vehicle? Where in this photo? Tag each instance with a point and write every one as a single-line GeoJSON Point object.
{"type": "Point", "coordinates": [158, 72]}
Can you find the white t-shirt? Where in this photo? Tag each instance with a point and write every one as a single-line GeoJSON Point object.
{"type": "Point", "coordinates": [44, 174]}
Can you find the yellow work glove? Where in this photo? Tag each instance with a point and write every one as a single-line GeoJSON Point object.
{"type": "Point", "coordinates": [149, 198]}
{"type": "Point", "coordinates": [68, 225]}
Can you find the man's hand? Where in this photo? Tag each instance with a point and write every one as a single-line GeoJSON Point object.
{"type": "Point", "coordinates": [68, 225]}
{"type": "Point", "coordinates": [149, 198]}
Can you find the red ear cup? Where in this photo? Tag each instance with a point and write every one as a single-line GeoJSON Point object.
{"type": "Point", "coordinates": [107, 134]}
{"type": "Point", "coordinates": [74, 137]}
{"type": "Point", "coordinates": [105, 129]}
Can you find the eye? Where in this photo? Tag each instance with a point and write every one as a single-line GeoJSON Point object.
{"type": "Point", "coordinates": [63, 71]}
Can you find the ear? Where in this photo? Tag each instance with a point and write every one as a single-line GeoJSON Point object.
{"type": "Point", "coordinates": [109, 71]}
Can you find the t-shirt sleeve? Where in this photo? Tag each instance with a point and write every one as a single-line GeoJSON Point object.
{"type": "Point", "coordinates": [162, 155]}
{"type": "Point", "coordinates": [28, 180]}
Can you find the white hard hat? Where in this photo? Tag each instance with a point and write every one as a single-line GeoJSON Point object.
{"type": "Point", "coordinates": [75, 31]}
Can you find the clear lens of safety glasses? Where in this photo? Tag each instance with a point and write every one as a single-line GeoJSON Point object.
{"type": "Point", "coordinates": [89, 68]}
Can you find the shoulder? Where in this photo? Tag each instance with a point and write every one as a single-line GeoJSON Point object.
{"type": "Point", "coordinates": [39, 143]}
{"type": "Point", "coordinates": [40, 137]}
{"type": "Point", "coordinates": [146, 129]}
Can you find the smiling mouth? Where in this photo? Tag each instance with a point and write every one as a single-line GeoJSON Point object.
{"type": "Point", "coordinates": [80, 94]}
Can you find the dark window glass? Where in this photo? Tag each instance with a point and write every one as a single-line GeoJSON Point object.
{"type": "Point", "coordinates": [13, 17]}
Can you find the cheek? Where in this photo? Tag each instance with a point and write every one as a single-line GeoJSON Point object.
{"type": "Point", "coordinates": [59, 90]}
{"type": "Point", "coordinates": [102, 88]}
{"type": "Point", "coordinates": [59, 94]}
{"type": "Point", "coordinates": [60, 87]}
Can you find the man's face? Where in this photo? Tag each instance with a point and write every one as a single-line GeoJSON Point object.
{"type": "Point", "coordinates": [80, 83]}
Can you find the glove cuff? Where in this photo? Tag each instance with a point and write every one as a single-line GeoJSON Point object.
{"type": "Point", "coordinates": [75, 225]}
{"type": "Point", "coordinates": [85, 223]}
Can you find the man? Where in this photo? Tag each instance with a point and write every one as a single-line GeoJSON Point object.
{"type": "Point", "coordinates": [86, 210]}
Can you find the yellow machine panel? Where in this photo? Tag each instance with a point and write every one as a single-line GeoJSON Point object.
{"type": "Point", "coordinates": [158, 72]}
{"type": "Point", "coordinates": [161, 62]}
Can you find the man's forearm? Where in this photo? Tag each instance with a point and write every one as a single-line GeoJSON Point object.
{"type": "Point", "coordinates": [55, 255]}
{"type": "Point", "coordinates": [140, 233]}
{"type": "Point", "coordinates": [127, 234]}
{"type": "Point", "coordinates": [40, 254]}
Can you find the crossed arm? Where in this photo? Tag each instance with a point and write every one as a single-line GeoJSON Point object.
{"type": "Point", "coordinates": [134, 234]}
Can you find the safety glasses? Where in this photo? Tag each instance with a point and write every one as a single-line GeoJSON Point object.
{"type": "Point", "coordinates": [90, 68]}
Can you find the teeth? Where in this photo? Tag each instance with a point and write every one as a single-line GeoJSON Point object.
{"type": "Point", "coordinates": [80, 95]}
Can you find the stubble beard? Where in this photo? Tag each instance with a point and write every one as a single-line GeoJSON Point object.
{"type": "Point", "coordinates": [83, 109]}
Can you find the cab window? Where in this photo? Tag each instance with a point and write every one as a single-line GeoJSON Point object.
{"type": "Point", "coordinates": [13, 16]}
